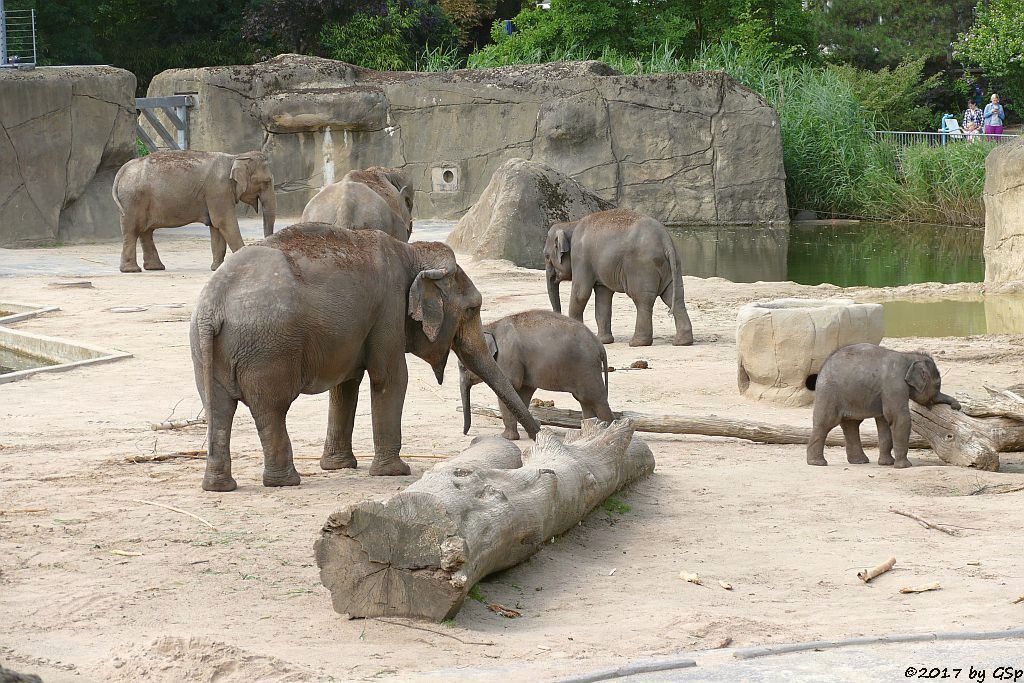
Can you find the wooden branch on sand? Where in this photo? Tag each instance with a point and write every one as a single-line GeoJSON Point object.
{"type": "Point", "coordinates": [419, 553]}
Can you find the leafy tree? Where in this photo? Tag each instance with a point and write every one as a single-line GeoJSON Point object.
{"type": "Point", "coordinates": [995, 42]}
{"type": "Point", "coordinates": [64, 30]}
{"type": "Point", "coordinates": [473, 18]}
{"type": "Point", "coordinates": [892, 99]}
{"type": "Point", "coordinates": [296, 25]}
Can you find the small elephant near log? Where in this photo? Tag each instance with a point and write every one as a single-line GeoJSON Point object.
{"type": "Point", "coordinates": [617, 251]}
{"type": "Point", "coordinates": [313, 308]}
{"type": "Point", "coordinates": [543, 350]}
{"type": "Point", "coordinates": [172, 189]}
{"type": "Point", "coordinates": [377, 198]}
{"type": "Point", "coordinates": [861, 381]}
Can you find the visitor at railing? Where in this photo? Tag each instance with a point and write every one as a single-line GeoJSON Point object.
{"type": "Point", "coordinates": [994, 117]}
{"type": "Point", "coordinates": [974, 119]}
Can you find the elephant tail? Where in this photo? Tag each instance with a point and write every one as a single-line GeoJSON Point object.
{"type": "Point", "coordinates": [604, 367]}
{"type": "Point", "coordinates": [677, 270]}
{"type": "Point", "coordinates": [113, 190]}
{"type": "Point", "coordinates": [207, 329]}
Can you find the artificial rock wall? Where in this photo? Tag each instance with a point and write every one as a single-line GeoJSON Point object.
{"type": "Point", "coordinates": [64, 133]}
{"type": "Point", "coordinates": [1004, 213]}
{"type": "Point", "coordinates": [686, 148]}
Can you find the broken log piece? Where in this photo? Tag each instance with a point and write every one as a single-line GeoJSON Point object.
{"type": "Point", "coordinates": [705, 425]}
{"type": "Point", "coordinates": [998, 403]}
{"type": "Point", "coordinates": [956, 438]}
{"type": "Point", "coordinates": [419, 553]}
{"type": "Point", "coordinates": [177, 424]}
{"type": "Point", "coordinates": [866, 575]}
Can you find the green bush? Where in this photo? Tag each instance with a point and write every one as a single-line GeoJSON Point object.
{"type": "Point", "coordinates": [892, 98]}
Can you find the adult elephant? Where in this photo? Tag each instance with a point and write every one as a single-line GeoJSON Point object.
{"type": "Point", "coordinates": [377, 198]}
{"type": "Point", "coordinates": [618, 251]}
{"type": "Point", "coordinates": [313, 308]}
{"type": "Point", "coordinates": [172, 189]}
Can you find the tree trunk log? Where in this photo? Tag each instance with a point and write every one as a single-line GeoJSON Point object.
{"type": "Point", "coordinates": [998, 403]}
{"type": "Point", "coordinates": [959, 439]}
{"type": "Point", "coordinates": [419, 553]}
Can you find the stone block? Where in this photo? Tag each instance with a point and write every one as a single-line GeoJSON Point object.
{"type": "Point", "coordinates": [1004, 213]}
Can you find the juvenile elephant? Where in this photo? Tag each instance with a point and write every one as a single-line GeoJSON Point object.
{"type": "Point", "coordinates": [543, 350]}
{"type": "Point", "coordinates": [172, 189]}
{"type": "Point", "coordinates": [865, 380]}
{"type": "Point", "coordinates": [375, 199]}
{"type": "Point", "coordinates": [313, 308]}
{"type": "Point", "coordinates": [617, 251]}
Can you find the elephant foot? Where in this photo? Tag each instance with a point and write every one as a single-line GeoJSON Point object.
{"type": "Point", "coordinates": [130, 268]}
{"type": "Point", "coordinates": [510, 434]}
{"type": "Point", "coordinates": [289, 478]}
{"type": "Point", "coordinates": [395, 467]}
{"type": "Point", "coordinates": [220, 484]}
{"type": "Point", "coordinates": [885, 460]}
{"type": "Point", "coordinates": [154, 266]}
{"type": "Point", "coordinates": [817, 461]}
{"type": "Point", "coordinates": [606, 338]}
{"type": "Point", "coordinates": [902, 464]}
{"type": "Point", "coordinates": [641, 341]}
{"type": "Point", "coordinates": [215, 266]}
{"type": "Point", "coordinates": [683, 339]}
{"type": "Point", "coordinates": [338, 461]}
{"type": "Point", "coordinates": [857, 459]}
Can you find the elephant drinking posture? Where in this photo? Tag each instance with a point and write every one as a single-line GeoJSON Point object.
{"type": "Point", "coordinates": [865, 380]}
{"type": "Point", "coordinates": [313, 308]}
{"type": "Point", "coordinates": [172, 189]}
{"type": "Point", "coordinates": [617, 251]}
{"type": "Point", "coordinates": [375, 199]}
{"type": "Point", "coordinates": [544, 350]}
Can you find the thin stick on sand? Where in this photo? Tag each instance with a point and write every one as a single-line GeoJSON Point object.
{"type": "Point", "coordinates": [923, 522]}
{"type": "Point", "coordinates": [19, 511]}
{"type": "Point", "coordinates": [174, 509]}
{"type": "Point", "coordinates": [866, 575]}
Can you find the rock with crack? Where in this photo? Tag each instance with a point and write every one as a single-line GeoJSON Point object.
{"type": "Point", "coordinates": [419, 553]}
{"type": "Point", "coordinates": [1004, 220]}
{"type": "Point", "coordinates": [511, 219]}
{"type": "Point", "coordinates": [685, 148]}
{"type": "Point", "coordinates": [64, 132]}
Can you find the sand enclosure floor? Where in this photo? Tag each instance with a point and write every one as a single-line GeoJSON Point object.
{"type": "Point", "coordinates": [99, 586]}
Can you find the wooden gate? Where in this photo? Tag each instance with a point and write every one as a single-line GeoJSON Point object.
{"type": "Point", "coordinates": [175, 110]}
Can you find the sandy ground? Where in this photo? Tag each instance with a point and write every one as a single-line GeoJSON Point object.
{"type": "Point", "coordinates": [102, 587]}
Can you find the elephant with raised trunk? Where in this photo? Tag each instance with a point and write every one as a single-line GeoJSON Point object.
{"type": "Point", "coordinates": [312, 309]}
{"type": "Point", "coordinates": [617, 251]}
{"type": "Point", "coordinates": [172, 189]}
{"type": "Point", "coordinates": [862, 381]}
{"type": "Point", "coordinates": [377, 198]}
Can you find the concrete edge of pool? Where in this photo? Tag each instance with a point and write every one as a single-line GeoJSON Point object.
{"type": "Point", "coordinates": [64, 353]}
{"type": "Point", "coordinates": [18, 311]}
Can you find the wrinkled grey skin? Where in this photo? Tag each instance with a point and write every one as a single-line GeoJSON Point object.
{"type": "Point", "coordinates": [865, 380]}
{"type": "Point", "coordinates": [543, 350]}
{"type": "Point", "coordinates": [617, 251]}
{"type": "Point", "coordinates": [377, 198]}
{"type": "Point", "coordinates": [172, 189]}
{"type": "Point", "coordinates": [314, 308]}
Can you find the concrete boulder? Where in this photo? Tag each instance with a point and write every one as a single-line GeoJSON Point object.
{"type": "Point", "coordinates": [1004, 213]}
{"type": "Point", "coordinates": [511, 219]}
{"type": "Point", "coordinates": [684, 148]}
{"type": "Point", "coordinates": [66, 131]}
{"type": "Point", "coordinates": [781, 343]}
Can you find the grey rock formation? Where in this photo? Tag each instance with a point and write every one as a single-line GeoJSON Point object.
{"type": "Point", "coordinates": [64, 132]}
{"type": "Point", "coordinates": [512, 217]}
{"type": "Point", "coordinates": [696, 147]}
{"type": "Point", "coordinates": [1004, 216]}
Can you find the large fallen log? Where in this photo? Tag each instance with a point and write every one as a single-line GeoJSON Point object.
{"type": "Point", "coordinates": [420, 552]}
{"type": "Point", "coordinates": [960, 439]}
{"type": "Point", "coordinates": [998, 403]}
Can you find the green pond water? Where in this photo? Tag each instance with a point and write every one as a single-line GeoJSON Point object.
{"type": "Point", "coordinates": [14, 361]}
{"type": "Point", "coordinates": [1001, 314]}
{"type": "Point", "coordinates": [859, 254]}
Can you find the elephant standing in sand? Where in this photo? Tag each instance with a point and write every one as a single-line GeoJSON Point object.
{"type": "Point", "coordinates": [314, 308]}
{"type": "Point", "coordinates": [172, 189]}
{"type": "Point", "coordinates": [617, 251]}
{"type": "Point", "coordinates": [375, 199]}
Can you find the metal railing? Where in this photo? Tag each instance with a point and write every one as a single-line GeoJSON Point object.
{"type": "Point", "coordinates": [907, 138]}
{"type": "Point", "coordinates": [175, 110]}
{"type": "Point", "coordinates": [17, 37]}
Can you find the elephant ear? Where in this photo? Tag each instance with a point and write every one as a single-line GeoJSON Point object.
{"type": "Point", "coordinates": [562, 244]}
{"type": "Point", "coordinates": [492, 344]}
{"type": "Point", "coordinates": [240, 174]}
{"type": "Point", "coordinates": [426, 303]}
{"type": "Point", "coordinates": [918, 376]}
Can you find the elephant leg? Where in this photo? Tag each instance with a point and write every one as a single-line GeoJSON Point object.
{"type": "Point", "coordinates": [677, 305]}
{"type": "Point", "coordinates": [511, 423]}
{"type": "Point", "coordinates": [586, 407]}
{"type": "Point", "coordinates": [129, 244]}
{"type": "Point", "coordinates": [218, 246]}
{"type": "Point", "coordinates": [387, 399]}
{"type": "Point", "coordinates": [224, 221]}
{"type": "Point", "coordinates": [150, 256]}
{"type": "Point", "coordinates": [340, 422]}
{"type": "Point", "coordinates": [643, 332]}
{"type": "Point", "coordinates": [854, 450]}
{"type": "Point", "coordinates": [884, 441]}
{"type": "Point", "coordinates": [220, 411]}
{"type": "Point", "coordinates": [579, 295]}
{"type": "Point", "coordinates": [603, 313]}
{"type": "Point", "coordinates": [278, 466]}
{"type": "Point", "coordinates": [823, 422]}
{"type": "Point", "coordinates": [899, 425]}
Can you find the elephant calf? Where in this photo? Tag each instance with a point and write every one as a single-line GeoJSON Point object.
{"type": "Point", "coordinates": [618, 251]}
{"type": "Point", "coordinates": [544, 350]}
{"type": "Point", "coordinates": [375, 199]}
{"type": "Point", "coordinates": [172, 189]}
{"type": "Point", "coordinates": [865, 380]}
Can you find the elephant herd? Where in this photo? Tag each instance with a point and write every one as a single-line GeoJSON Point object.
{"type": "Point", "coordinates": [344, 294]}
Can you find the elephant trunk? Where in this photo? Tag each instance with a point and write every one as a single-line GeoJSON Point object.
{"type": "Point", "coordinates": [474, 355]}
{"type": "Point", "coordinates": [268, 202]}
{"type": "Point", "coordinates": [464, 388]}
{"type": "Point", "coordinates": [556, 302]}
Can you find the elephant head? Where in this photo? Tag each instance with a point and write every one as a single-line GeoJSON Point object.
{"type": "Point", "coordinates": [467, 379]}
{"type": "Point", "coordinates": [444, 314]}
{"type": "Point", "coordinates": [558, 260]}
{"type": "Point", "coordinates": [254, 185]}
{"type": "Point", "coordinates": [401, 182]}
{"type": "Point", "coordinates": [923, 379]}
